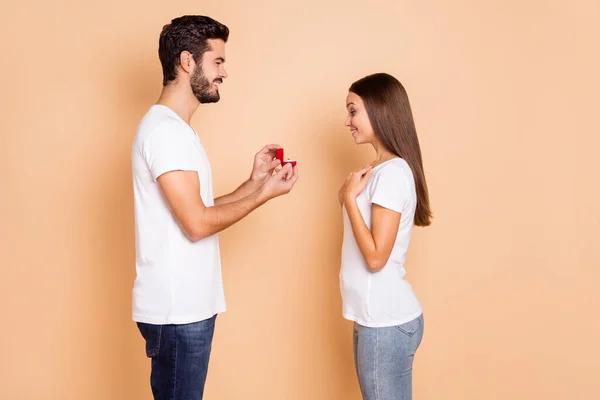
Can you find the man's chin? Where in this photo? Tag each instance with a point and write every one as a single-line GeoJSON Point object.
{"type": "Point", "coordinates": [209, 99]}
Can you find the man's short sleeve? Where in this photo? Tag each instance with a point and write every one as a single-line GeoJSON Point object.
{"type": "Point", "coordinates": [171, 147]}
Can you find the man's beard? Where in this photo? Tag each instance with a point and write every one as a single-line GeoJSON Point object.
{"type": "Point", "coordinates": [201, 87]}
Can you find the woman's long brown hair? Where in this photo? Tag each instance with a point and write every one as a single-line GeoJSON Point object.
{"type": "Point", "coordinates": [390, 114]}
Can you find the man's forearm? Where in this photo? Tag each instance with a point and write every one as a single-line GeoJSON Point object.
{"type": "Point", "coordinates": [245, 189]}
{"type": "Point", "coordinates": [219, 217]}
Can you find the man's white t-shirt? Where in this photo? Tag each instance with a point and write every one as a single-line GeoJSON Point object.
{"type": "Point", "coordinates": [383, 298]}
{"type": "Point", "coordinates": [177, 281]}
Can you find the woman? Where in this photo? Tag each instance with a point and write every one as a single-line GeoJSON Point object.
{"type": "Point", "coordinates": [381, 202]}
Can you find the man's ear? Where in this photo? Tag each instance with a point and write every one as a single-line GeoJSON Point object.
{"type": "Point", "coordinates": [186, 60]}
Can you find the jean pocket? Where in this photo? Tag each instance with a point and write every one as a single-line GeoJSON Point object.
{"type": "Point", "coordinates": [151, 334]}
{"type": "Point", "coordinates": [410, 328]}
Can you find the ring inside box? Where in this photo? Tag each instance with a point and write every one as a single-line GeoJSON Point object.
{"type": "Point", "coordinates": [279, 156]}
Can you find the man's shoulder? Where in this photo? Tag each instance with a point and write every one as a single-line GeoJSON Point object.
{"type": "Point", "coordinates": [156, 125]}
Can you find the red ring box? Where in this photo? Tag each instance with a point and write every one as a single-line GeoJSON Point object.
{"type": "Point", "coordinates": [279, 156]}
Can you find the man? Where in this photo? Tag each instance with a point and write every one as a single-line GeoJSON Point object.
{"type": "Point", "coordinates": [178, 289]}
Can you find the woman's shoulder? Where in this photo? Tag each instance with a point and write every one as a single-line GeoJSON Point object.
{"type": "Point", "coordinates": [394, 166]}
{"type": "Point", "coordinates": [395, 170]}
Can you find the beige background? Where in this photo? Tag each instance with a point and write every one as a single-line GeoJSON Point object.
{"type": "Point", "coordinates": [505, 100]}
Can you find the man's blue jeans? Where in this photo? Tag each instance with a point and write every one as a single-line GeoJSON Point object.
{"type": "Point", "coordinates": [180, 355]}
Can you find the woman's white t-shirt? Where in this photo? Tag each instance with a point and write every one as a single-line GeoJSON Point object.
{"type": "Point", "coordinates": [383, 298]}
